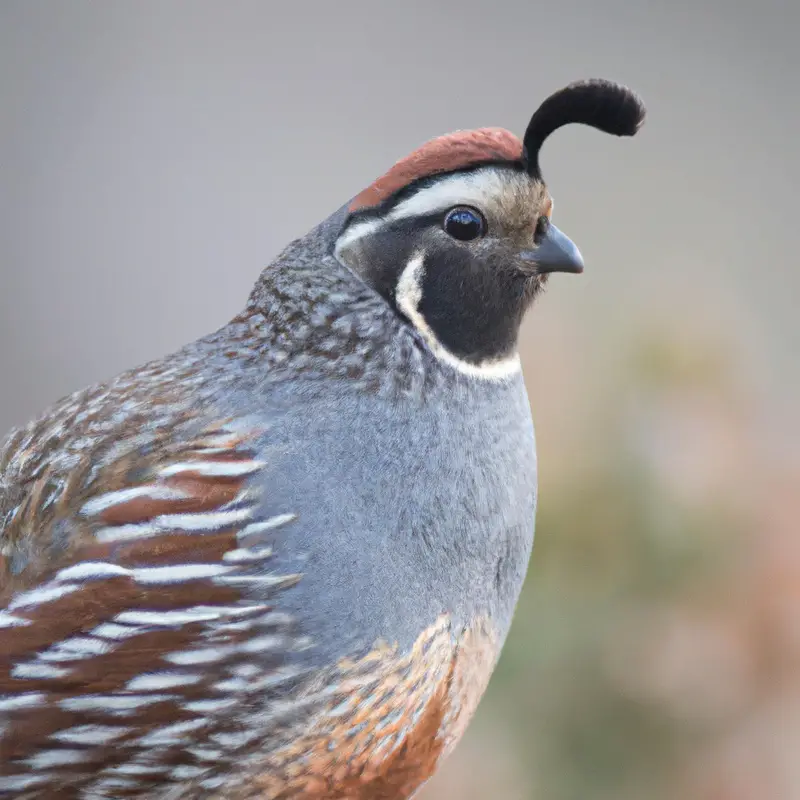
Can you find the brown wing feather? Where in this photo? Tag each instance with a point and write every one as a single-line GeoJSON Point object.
{"type": "Point", "coordinates": [132, 605]}
{"type": "Point", "coordinates": [92, 442]}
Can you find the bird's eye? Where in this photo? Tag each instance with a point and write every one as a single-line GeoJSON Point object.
{"type": "Point", "coordinates": [542, 226]}
{"type": "Point", "coordinates": [464, 223]}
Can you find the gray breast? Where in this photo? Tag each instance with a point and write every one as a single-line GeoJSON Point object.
{"type": "Point", "coordinates": [405, 509]}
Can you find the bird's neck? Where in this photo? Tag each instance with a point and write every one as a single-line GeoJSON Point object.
{"type": "Point", "coordinates": [310, 317]}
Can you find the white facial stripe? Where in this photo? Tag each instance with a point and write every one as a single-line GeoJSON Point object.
{"type": "Point", "coordinates": [480, 189]}
{"type": "Point", "coordinates": [356, 232]}
{"type": "Point", "coordinates": [483, 189]}
{"type": "Point", "coordinates": [408, 298]}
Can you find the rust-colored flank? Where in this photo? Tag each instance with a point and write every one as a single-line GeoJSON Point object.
{"type": "Point", "coordinates": [448, 153]}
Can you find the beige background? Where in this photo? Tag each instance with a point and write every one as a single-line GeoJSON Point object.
{"type": "Point", "coordinates": [154, 154]}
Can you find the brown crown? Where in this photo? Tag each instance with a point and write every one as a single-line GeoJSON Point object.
{"type": "Point", "coordinates": [448, 153]}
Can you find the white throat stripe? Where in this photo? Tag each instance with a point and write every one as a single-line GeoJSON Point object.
{"type": "Point", "coordinates": [408, 298]}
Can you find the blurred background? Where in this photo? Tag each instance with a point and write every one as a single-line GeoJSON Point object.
{"type": "Point", "coordinates": [155, 155]}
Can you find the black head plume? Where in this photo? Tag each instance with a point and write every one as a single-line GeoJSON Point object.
{"type": "Point", "coordinates": [607, 106]}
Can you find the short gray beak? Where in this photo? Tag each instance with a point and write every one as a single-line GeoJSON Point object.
{"type": "Point", "coordinates": [555, 253]}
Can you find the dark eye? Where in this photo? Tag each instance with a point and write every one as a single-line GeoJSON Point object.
{"type": "Point", "coordinates": [464, 223]}
{"type": "Point", "coordinates": [542, 225]}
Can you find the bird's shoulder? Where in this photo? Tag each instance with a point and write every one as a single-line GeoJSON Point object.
{"type": "Point", "coordinates": [111, 451]}
{"type": "Point", "coordinates": [134, 577]}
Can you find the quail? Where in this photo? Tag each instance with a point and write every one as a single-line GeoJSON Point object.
{"type": "Point", "coordinates": [282, 561]}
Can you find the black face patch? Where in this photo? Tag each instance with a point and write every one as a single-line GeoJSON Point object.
{"type": "Point", "coordinates": [474, 304]}
{"type": "Point", "coordinates": [471, 295]}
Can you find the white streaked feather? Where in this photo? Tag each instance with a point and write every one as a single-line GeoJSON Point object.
{"type": "Point", "coordinates": [247, 554]}
{"type": "Point", "coordinates": [235, 627]}
{"type": "Point", "coordinates": [172, 734]}
{"type": "Point", "coordinates": [274, 679]}
{"type": "Point", "coordinates": [235, 739]}
{"type": "Point", "coordinates": [138, 769]}
{"type": "Point", "coordinates": [17, 783]}
{"type": "Point", "coordinates": [46, 759]}
{"type": "Point", "coordinates": [207, 655]}
{"type": "Point", "coordinates": [10, 621]}
{"type": "Point", "coordinates": [214, 783]}
{"type": "Point", "coordinates": [158, 681]}
{"type": "Point", "coordinates": [233, 685]}
{"type": "Point", "coordinates": [148, 575]}
{"type": "Point", "coordinates": [255, 580]}
{"type": "Point", "coordinates": [178, 573]}
{"type": "Point", "coordinates": [124, 533]}
{"type": "Point", "coordinates": [210, 706]}
{"type": "Point", "coordinates": [110, 702]}
{"type": "Point", "coordinates": [11, 702]}
{"type": "Point", "coordinates": [42, 595]}
{"type": "Point", "coordinates": [263, 643]}
{"type": "Point", "coordinates": [168, 618]}
{"type": "Point", "coordinates": [90, 734]}
{"type": "Point", "coordinates": [165, 523]}
{"type": "Point", "coordinates": [98, 505]}
{"type": "Point", "coordinates": [33, 671]}
{"type": "Point", "coordinates": [246, 670]}
{"type": "Point", "coordinates": [75, 648]}
{"type": "Point", "coordinates": [267, 525]}
{"type": "Point", "coordinates": [188, 523]}
{"type": "Point", "coordinates": [187, 772]}
{"type": "Point", "coordinates": [91, 571]}
{"type": "Point", "coordinates": [110, 630]}
{"type": "Point", "coordinates": [205, 753]}
{"type": "Point", "coordinates": [248, 495]}
{"type": "Point", "coordinates": [112, 784]}
{"type": "Point", "coordinates": [212, 521]}
{"type": "Point", "coordinates": [213, 469]}
{"type": "Point", "coordinates": [240, 611]}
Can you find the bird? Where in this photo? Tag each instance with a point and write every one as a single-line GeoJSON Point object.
{"type": "Point", "coordinates": [282, 561]}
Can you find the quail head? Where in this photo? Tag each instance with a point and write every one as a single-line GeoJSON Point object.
{"type": "Point", "coordinates": [281, 562]}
